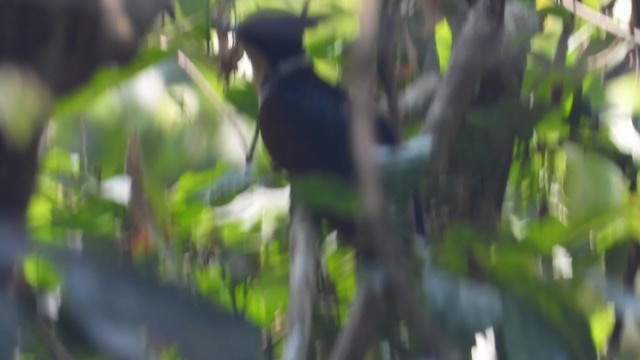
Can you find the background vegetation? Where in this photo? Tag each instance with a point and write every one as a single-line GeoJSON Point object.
{"type": "Point", "coordinates": [533, 221]}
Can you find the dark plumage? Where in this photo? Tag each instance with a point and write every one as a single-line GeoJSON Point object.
{"type": "Point", "coordinates": [304, 121]}
{"type": "Point", "coordinates": [305, 124]}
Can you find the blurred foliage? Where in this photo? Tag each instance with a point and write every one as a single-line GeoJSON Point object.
{"type": "Point", "coordinates": [569, 200]}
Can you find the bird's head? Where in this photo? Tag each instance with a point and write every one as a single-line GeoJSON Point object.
{"type": "Point", "coordinates": [275, 35]}
{"type": "Point", "coordinates": [271, 38]}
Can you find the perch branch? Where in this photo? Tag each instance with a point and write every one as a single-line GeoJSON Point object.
{"type": "Point", "coordinates": [304, 242]}
{"type": "Point", "coordinates": [360, 330]}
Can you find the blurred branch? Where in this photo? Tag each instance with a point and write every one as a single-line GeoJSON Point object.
{"type": "Point", "coordinates": [254, 142]}
{"type": "Point", "coordinates": [415, 98]}
{"type": "Point", "coordinates": [375, 227]}
{"type": "Point", "coordinates": [364, 319]}
{"type": "Point", "coordinates": [304, 245]}
{"type": "Point", "coordinates": [629, 276]}
{"type": "Point", "coordinates": [12, 239]}
{"type": "Point", "coordinates": [628, 283]}
{"type": "Point", "coordinates": [138, 237]}
{"type": "Point", "coordinates": [475, 50]}
{"type": "Point", "coordinates": [83, 147]}
{"type": "Point", "coordinates": [601, 20]}
{"type": "Point", "coordinates": [560, 59]}
{"type": "Point", "coordinates": [456, 13]}
{"type": "Point", "coordinates": [387, 50]}
{"type": "Point", "coordinates": [46, 333]}
{"type": "Point", "coordinates": [408, 60]}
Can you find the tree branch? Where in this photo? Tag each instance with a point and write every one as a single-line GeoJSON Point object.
{"type": "Point", "coordinates": [475, 50]}
{"type": "Point", "coordinates": [303, 251]}
{"type": "Point", "coordinates": [375, 227]}
{"type": "Point", "coordinates": [364, 319]}
{"type": "Point", "coordinates": [602, 21]}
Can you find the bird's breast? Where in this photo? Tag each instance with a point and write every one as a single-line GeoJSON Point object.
{"type": "Point", "coordinates": [304, 125]}
{"type": "Point", "coordinates": [284, 142]}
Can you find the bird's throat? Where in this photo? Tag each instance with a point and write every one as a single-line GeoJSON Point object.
{"type": "Point", "coordinates": [282, 69]}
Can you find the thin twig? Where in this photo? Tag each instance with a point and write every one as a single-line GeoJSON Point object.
{"type": "Point", "coordinates": [601, 20]}
{"type": "Point", "coordinates": [254, 142]}
{"type": "Point", "coordinates": [83, 147]}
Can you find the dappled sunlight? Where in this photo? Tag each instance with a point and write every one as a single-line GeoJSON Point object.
{"type": "Point", "coordinates": [562, 268]}
{"type": "Point", "coordinates": [622, 11]}
{"type": "Point", "coordinates": [117, 189]}
{"type": "Point", "coordinates": [253, 205]}
{"type": "Point", "coordinates": [624, 134]}
{"type": "Point", "coordinates": [147, 89]}
{"type": "Point", "coordinates": [485, 347]}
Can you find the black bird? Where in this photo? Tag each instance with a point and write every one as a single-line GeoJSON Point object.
{"type": "Point", "coordinates": [304, 121]}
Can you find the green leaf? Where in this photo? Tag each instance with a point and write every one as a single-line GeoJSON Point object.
{"type": "Point", "coordinates": [545, 43]}
{"type": "Point", "coordinates": [341, 266]}
{"type": "Point", "coordinates": [593, 4]}
{"type": "Point", "coordinates": [41, 273]}
{"type": "Point", "coordinates": [556, 10]}
{"type": "Point", "coordinates": [527, 336]}
{"type": "Point", "coordinates": [244, 97]}
{"type": "Point", "coordinates": [548, 232]}
{"type": "Point", "coordinates": [444, 41]}
{"type": "Point", "coordinates": [98, 296]}
{"type": "Point", "coordinates": [60, 161]}
{"type": "Point", "coordinates": [216, 186]}
{"type": "Point", "coordinates": [622, 93]}
{"type": "Point", "coordinates": [602, 323]}
{"type": "Point", "coordinates": [24, 104]}
{"type": "Point", "coordinates": [230, 184]}
{"type": "Point", "coordinates": [538, 312]}
{"type": "Point", "coordinates": [461, 306]}
{"type": "Point", "coordinates": [39, 215]}
{"type": "Point", "coordinates": [326, 193]}
{"type": "Point", "coordinates": [593, 184]}
{"type": "Point", "coordinates": [608, 229]}
{"type": "Point", "coordinates": [404, 165]}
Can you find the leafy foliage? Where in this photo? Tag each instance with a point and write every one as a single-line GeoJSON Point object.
{"type": "Point", "coordinates": [218, 225]}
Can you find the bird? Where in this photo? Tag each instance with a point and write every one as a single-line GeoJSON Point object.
{"type": "Point", "coordinates": [304, 121]}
